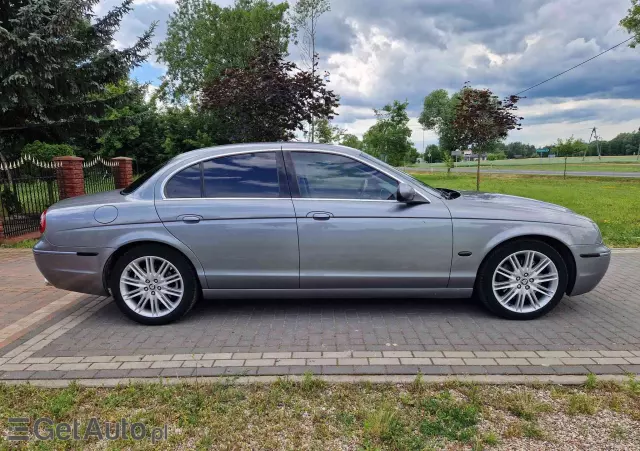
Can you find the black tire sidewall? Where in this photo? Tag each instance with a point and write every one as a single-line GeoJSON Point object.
{"type": "Point", "coordinates": [191, 287]}
{"type": "Point", "coordinates": [485, 277]}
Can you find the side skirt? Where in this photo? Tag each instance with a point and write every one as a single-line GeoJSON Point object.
{"type": "Point", "coordinates": [442, 293]}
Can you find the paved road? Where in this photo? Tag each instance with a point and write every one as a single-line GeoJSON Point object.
{"type": "Point", "coordinates": [531, 172]}
{"type": "Point", "coordinates": [597, 332]}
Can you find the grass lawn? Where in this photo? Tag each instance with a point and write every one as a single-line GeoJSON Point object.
{"type": "Point", "coordinates": [24, 244]}
{"type": "Point", "coordinates": [313, 414]}
{"type": "Point", "coordinates": [628, 163]}
{"type": "Point", "coordinates": [613, 203]}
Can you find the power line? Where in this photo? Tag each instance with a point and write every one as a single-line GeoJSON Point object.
{"type": "Point", "coordinates": [577, 65]}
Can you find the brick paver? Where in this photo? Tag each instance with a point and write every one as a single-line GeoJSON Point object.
{"type": "Point", "coordinates": [598, 332]}
{"type": "Point", "coordinates": [25, 301]}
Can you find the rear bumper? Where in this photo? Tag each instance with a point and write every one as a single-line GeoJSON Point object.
{"type": "Point", "coordinates": [592, 262]}
{"type": "Point", "coordinates": [72, 269]}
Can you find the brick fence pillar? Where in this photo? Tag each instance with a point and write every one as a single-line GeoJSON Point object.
{"type": "Point", "coordinates": [123, 172]}
{"type": "Point", "coordinates": [70, 176]}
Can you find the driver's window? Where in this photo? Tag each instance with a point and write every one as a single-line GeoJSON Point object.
{"type": "Point", "coordinates": [330, 176]}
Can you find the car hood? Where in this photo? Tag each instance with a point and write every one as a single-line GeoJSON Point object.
{"type": "Point", "coordinates": [479, 205]}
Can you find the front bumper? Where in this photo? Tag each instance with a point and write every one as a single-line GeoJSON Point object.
{"type": "Point", "coordinates": [73, 269]}
{"type": "Point", "coordinates": [592, 262]}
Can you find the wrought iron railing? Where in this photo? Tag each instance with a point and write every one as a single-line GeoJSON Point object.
{"type": "Point", "coordinates": [98, 175]}
{"type": "Point", "coordinates": [27, 188]}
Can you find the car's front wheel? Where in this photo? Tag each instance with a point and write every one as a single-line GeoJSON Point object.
{"type": "Point", "coordinates": [522, 279]}
{"type": "Point", "coordinates": [153, 284]}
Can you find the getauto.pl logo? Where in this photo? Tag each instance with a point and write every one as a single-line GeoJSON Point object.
{"type": "Point", "coordinates": [23, 429]}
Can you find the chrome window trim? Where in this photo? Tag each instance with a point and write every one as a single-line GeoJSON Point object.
{"type": "Point", "coordinates": [332, 152]}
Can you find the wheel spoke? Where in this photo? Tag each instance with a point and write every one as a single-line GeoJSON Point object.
{"type": "Point", "coordinates": [542, 264]}
{"type": "Point", "coordinates": [133, 282]}
{"type": "Point", "coordinates": [505, 273]}
{"type": "Point", "coordinates": [514, 262]}
{"type": "Point", "coordinates": [142, 303]}
{"type": "Point", "coordinates": [163, 268]}
{"type": "Point", "coordinates": [528, 261]}
{"type": "Point", "coordinates": [505, 285]}
{"type": "Point", "coordinates": [137, 270]}
{"type": "Point", "coordinates": [547, 278]}
{"type": "Point", "coordinates": [534, 299]}
{"type": "Point", "coordinates": [134, 293]}
{"type": "Point", "coordinates": [165, 301]}
{"type": "Point", "coordinates": [172, 292]}
{"type": "Point", "coordinates": [542, 290]}
{"type": "Point", "coordinates": [171, 279]}
{"type": "Point", "coordinates": [507, 298]}
{"type": "Point", "coordinates": [148, 261]}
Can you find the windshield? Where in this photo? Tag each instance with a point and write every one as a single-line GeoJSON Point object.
{"type": "Point", "coordinates": [137, 183]}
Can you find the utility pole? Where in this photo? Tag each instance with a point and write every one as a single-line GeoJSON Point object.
{"type": "Point", "coordinates": [594, 134]}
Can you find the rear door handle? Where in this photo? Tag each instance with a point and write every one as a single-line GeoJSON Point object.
{"type": "Point", "coordinates": [322, 216]}
{"type": "Point", "coordinates": [190, 219]}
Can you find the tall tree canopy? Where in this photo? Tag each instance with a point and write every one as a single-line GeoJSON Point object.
{"type": "Point", "coordinates": [632, 22]}
{"type": "Point", "coordinates": [305, 17]}
{"type": "Point", "coordinates": [204, 39]}
{"type": "Point", "coordinates": [390, 137]}
{"type": "Point", "coordinates": [55, 65]}
{"type": "Point", "coordinates": [269, 99]}
{"type": "Point", "coordinates": [438, 114]}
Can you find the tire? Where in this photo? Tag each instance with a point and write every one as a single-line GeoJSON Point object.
{"type": "Point", "coordinates": [134, 286]}
{"type": "Point", "coordinates": [514, 289]}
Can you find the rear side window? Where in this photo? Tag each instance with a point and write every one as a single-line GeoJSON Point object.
{"type": "Point", "coordinates": [243, 175]}
{"type": "Point", "coordinates": [185, 184]}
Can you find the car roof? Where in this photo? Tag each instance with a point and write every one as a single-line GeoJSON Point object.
{"type": "Point", "coordinates": [216, 150]}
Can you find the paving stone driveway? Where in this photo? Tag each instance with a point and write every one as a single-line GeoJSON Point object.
{"type": "Point", "coordinates": [598, 332]}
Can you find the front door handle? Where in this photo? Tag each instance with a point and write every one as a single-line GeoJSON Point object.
{"type": "Point", "coordinates": [190, 219]}
{"type": "Point", "coordinates": [322, 216]}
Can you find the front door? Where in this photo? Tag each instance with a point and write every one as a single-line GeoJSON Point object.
{"type": "Point", "coordinates": [236, 214]}
{"type": "Point", "coordinates": [354, 234]}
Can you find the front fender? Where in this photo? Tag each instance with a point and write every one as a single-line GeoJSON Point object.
{"type": "Point", "coordinates": [481, 236]}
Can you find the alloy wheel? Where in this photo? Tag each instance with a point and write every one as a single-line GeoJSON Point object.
{"type": "Point", "coordinates": [151, 286]}
{"type": "Point", "coordinates": [525, 281]}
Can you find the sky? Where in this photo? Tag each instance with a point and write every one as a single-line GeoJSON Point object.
{"type": "Point", "coordinates": [380, 50]}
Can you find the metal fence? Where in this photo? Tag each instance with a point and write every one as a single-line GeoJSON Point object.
{"type": "Point", "coordinates": [98, 175]}
{"type": "Point", "coordinates": [27, 188]}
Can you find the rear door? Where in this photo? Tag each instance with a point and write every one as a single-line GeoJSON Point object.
{"type": "Point", "coordinates": [236, 214]}
{"type": "Point", "coordinates": [354, 234]}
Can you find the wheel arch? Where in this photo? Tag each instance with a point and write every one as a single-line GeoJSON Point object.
{"type": "Point", "coordinates": [557, 244]}
{"type": "Point", "coordinates": [120, 251]}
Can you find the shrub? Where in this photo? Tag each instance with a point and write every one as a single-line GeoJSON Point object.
{"type": "Point", "coordinates": [45, 152]}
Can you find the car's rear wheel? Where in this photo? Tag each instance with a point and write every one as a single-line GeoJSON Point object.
{"type": "Point", "coordinates": [522, 279]}
{"type": "Point", "coordinates": [153, 284]}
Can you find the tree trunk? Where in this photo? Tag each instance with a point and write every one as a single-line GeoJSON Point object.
{"type": "Point", "coordinates": [565, 167]}
{"type": "Point", "coordinates": [478, 174]}
{"type": "Point", "coordinates": [7, 171]}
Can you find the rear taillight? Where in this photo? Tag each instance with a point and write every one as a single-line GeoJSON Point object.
{"type": "Point", "coordinates": [43, 221]}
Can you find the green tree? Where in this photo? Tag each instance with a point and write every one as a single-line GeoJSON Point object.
{"type": "Point", "coordinates": [56, 61]}
{"type": "Point", "coordinates": [432, 154]}
{"type": "Point", "coordinates": [390, 137]}
{"type": "Point", "coordinates": [569, 148]}
{"type": "Point", "coordinates": [438, 114]}
{"type": "Point", "coordinates": [326, 133]}
{"type": "Point", "coordinates": [521, 149]}
{"type": "Point", "coordinates": [352, 141]}
{"type": "Point", "coordinates": [46, 152]}
{"type": "Point", "coordinates": [269, 99]}
{"type": "Point", "coordinates": [632, 22]}
{"type": "Point", "coordinates": [496, 156]}
{"type": "Point", "coordinates": [204, 39]}
{"type": "Point", "coordinates": [305, 17]}
{"type": "Point", "coordinates": [482, 119]}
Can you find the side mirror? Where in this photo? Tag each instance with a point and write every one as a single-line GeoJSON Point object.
{"type": "Point", "coordinates": [405, 193]}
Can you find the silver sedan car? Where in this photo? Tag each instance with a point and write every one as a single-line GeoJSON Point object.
{"type": "Point", "coordinates": [306, 220]}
